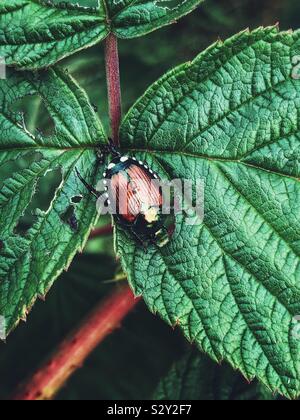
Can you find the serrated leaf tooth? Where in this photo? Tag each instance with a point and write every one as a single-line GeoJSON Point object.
{"type": "Point", "coordinates": [67, 267]}
{"type": "Point", "coordinates": [248, 377]}
{"type": "Point", "coordinates": [177, 323]}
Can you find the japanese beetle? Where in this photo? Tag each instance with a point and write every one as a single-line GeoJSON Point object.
{"type": "Point", "coordinates": [133, 180]}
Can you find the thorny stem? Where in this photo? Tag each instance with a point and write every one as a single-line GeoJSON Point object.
{"type": "Point", "coordinates": [73, 351]}
{"type": "Point", "coordinates": [113, 86]}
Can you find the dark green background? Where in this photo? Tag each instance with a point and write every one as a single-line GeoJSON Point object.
{"type": "Point", "coordinates": [128, 364]}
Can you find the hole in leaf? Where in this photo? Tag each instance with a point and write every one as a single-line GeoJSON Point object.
{"type": "Point", "coordinates": [69, 217]}
{"type": "Point", "coordinates": [35, 115]}
{"type": "Point", "coordinates": [95, 108]}
{"type": "Point", "coordinates": [168, 4]}
{"type": "Point", "coordinates": [76, 199]}
{"type": "Point", "coordinates": [45, 191]}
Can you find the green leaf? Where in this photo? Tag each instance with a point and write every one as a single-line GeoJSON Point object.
{"type": "Point", "coordinates": [35, 34]}
{"type": "Point", "coordinates": [30, 263]}
{"type": "Point", "coordinates": [230, 118]}
{"type": "Point", "coordinates": [196, 377]}
{"type": "Point", "coordinates": [105, 373]}
{"type": "Point", "coordinates": [133, 18]}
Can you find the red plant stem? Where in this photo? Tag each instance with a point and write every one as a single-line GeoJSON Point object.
{"type": "Point", "coordinates": [70, 355]}
{"type": "Point", "coordinates": [113, 85]}
{"type": "Point", "coordinates": [102, 231]}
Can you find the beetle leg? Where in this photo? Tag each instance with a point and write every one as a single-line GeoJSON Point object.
{"type": "Point", "coordinates": [91, 189]}
{"type": "Point", "coordinates": [139, 239]}
{"type": "Point", "coordinates": [113, 150]}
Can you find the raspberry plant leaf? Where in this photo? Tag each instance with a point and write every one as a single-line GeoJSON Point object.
{"type": "Point", "coordinates": [231, 283]}
{"type": "Point", "coordinates": [132, 18]}
{"type": "Point", "coordinates": [196, 377]}
{"type": "Point", "coordinates": [36, 33]}
{"type": "Point", "coordinates": [30, 263]}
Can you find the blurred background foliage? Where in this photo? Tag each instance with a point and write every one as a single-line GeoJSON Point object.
{"type": "Point", "coordinates": [129, 364]}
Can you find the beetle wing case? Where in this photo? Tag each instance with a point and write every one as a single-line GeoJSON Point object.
{"type": "Point", "coordinates": [137, 198]}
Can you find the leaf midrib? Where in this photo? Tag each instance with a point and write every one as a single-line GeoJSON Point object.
{"type": "Point", "coordinates": [210, 159]}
